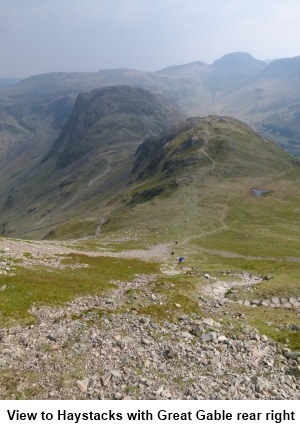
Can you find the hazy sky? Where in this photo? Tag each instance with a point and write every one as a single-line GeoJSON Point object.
{"type": "Point", "coordinates": [40, 36]}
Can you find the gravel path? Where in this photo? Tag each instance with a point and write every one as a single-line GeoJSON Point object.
{"type": "Point", "coordinates": [38, 251]}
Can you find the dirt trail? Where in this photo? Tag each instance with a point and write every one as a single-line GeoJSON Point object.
{"type": "Point", "coordinates": [205, 153]}
{"type": "Point", "coordinates": [204, 146]}
{"type": "Point", "coordinates": [107, 167]}
{"type": "Point", "coordinates": [36, 251]}
{"type": "Point", "coordinates": [217, 288]}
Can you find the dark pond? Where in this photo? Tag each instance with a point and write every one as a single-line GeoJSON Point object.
{"type": "Point", "coordinates": [259, 193]}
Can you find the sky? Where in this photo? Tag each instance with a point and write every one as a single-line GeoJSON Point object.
{"type": "Point", "coordinates": [41, 36]}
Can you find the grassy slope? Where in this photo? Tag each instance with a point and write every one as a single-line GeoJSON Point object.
{"type": "Point", "coordinates": [213, 192]}
{"type": "Point", "coordinates": [218, 223]}
{"type": "Point", "coordinates": [40, 285]}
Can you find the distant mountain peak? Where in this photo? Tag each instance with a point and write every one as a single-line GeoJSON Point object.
{"type": "Point", "coordinates": [179, 68]}
{"type": "Point", "coordinates": [284, 67]}
{"type": "Point", "coordinates": [238, 60]}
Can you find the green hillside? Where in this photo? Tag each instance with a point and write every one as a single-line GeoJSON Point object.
{"type": "Point", "coordinates": [87, 164]}
{"type": "Point", "coordinates": [210, 190]}
{"type": "Point", "coordinates": [190, 180]}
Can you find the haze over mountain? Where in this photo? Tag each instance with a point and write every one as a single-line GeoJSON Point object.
{"type": "Point", "coordinates": [7, 82]}
{"type": "Point", "coordinates": [58, 143]}
{"type": "Point", "coordinates": [236, 84]}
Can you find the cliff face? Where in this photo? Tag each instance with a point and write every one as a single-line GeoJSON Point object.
{"type": "Point", "coordinates": [110, 116]}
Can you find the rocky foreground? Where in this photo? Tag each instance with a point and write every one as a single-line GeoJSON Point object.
{"type": "Point", "coordinates": [102, 348]}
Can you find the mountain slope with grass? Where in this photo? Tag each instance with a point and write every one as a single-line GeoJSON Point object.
{"type": "Point", "coordinates": [113, 314]}
{"type": "Point", "coordinates": [196, 170]}
{"type": "Point", "coordinates": [87, 164]}
{"type": "Point", "coordinates": [81, 187]}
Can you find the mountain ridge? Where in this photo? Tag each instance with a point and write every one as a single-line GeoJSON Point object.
{"type": "Point", "coordinates": [198, 88]}
{"type": "Point", "coordinates": [39, 125]}
{"type": "Point", "coordinates": [201, 150]}
{"type": "Point", "coordinates": [90, 156]}
{"type": "Point", "coordinates": [116, 108]}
